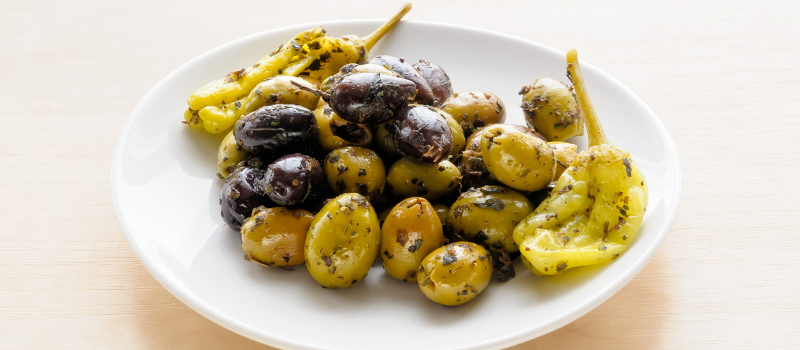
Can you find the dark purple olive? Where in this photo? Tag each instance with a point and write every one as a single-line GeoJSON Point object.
{"type": "Point", "coordinates": [437, 79]}
{"type": "Point", "coordinates": [291, 179]}
{"type": "Point", "coordinates": [241, 193]}
{"type": "Point", "coordinates": [420, 132]}
{"type": "Point", "coordinates": [275, 130]}
{"type": "Point", "coordinates": [399, 66]}
{"type": "Point", "coordinates": [367, 98]}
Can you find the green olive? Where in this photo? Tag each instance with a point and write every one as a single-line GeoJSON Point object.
{"type": "Point", "coordinates": [335, 132]}
{"type": "Point", "coordinates": [551, 108]}
{"type": "Point", "coordinates": [565, 152]}
{"type": "Point", "coordinates": [458, 133]}
{"type": "Point", "coordinates": [280, 90]}
{"type": "Point", "coordinates": [488, 215]}
{"type": "Point", "coordinates": [410, 232]}
{"type": "Point", "coordinates": [355, 169]}
{"type": "Point", "coordinates": [276, 236]}
{"type": "Point", "coordinates": [408, 178]}
{"type": "Point", "coordinates": [441, 210]}
{"type": "Point", "coordinates": [384, 141]}
{"type": "Point", "coordinates": [342, 242]}
{"type": "Point", "coordinates": [517, 159]}
{"type": "Point", "coordinates": [455, 274]}
{"type": "Point", "coordinates": [475, 109]}
{"type": "Point", "coordinates": [229, 156]}
{"type": "Point", "coordinates": [472, 166]}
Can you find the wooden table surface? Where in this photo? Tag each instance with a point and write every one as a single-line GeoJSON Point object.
{"type": "Point", "coordinates": [722, 75]}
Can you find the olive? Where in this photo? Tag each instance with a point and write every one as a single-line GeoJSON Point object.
{"type": "Point", "coordinates": [275, 130]}
{"type": "Point", "coordinates": [564, 152]}
{"type": "Point", "coordinates": [551, 108]}
{"type": "Point", "coordinates": [437, 79]}
{"type": "Point", "coordinates": [290, 179]}
{"type": "Point", "coordinates": [441, 210]}
{"type": "Point", "coordinates": [488, 215]}
{"type": "Point", "coordinates": [399, 66]}
{"type": "Point", "coordinates": [367, 98]}
{"type": "Point", "coordinates": [281, 89]}
{"type": "Point", "coordinates": [422, 133]}
{"type": "Point", "coordinates": [459, 140]}
{"type": "Point", "coordinates": [517, 159]}
{"type": "Point", "coordinates": [408, 178]}
{"type": "Point", "coordinates": [475, 109]}
{"type": "Point", "coordinates": [276, 236]}
{"type": "Point", "coordinates": [352, 68]}
{"type": "Point", "coordinates": [472, 166]}
{"type": "Point", "coordinates": [229, 155]}
{"type": "Point", "coordinates": [342, 242]}
{"type": "Point", "coordinates": [384, 141]}
{"type": "Point", "coordinates": [241, 193]}
{"type": "Point", "coordinates": [335, 132]}
{"type": "Point", "coordinates": [455, 274]}
{"type": "Point", "coordinates": [410, 232]}
{"type": "Point", "coordinates": [357, 170]}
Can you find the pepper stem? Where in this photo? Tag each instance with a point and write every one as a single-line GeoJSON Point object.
{"type": "Point", "coordinates": [372, 39]}
{"type": "Point", "coordinates": [593, 127]}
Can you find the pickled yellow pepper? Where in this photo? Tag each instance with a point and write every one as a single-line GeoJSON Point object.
{"type": "Point", "coordinates": [596, 208]}
{"type": "Point", "coordinates": [217, 106]}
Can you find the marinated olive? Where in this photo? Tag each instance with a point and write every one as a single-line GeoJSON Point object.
{"type": "Point", "coordinates": [409, 233]}
{"type": "Point", "coordinates": [459, 140]}
{"type": "Point", "coordinates": [276, 236]}
{"type": "Point", "coordinates": [517, 159]}
{"type": "Point", "coordinates": [475, 109]}
{"type": "Point", "coordinates": [281, 90]}
{"type": "Point", "coordinates": [335, 132]}
{"type": "Point", "coordinates": [384, 141]}
{"type": "Point", "coordinates": [455, 274]}
{"type": "Point", "coordinates": [342, 242]}
{"type": "Point", "coordinates": [367, 98]}
{"type": "Point", "coordinates": [229, 155]}
{"type": "Point", "coordinates": [472, 166]}
{"type": "Point", "coordinates": [437, 79]}
{"type": "Point", "coordinates": [551, 108]}
{"type": "Point", "coordinates": [353, 68]}
{"type": "Point", "coordinates": [290, 179]}
{"type": "Point", "coordinates": [408, 178]}
{"type": "Point", "coordinates": [422, 133]}
{"type": "Point", "coordinates": [399, 66]}
{"type": "Point", "coordinates": [564, 152]}
{"type": "Point", "coordinates": [275, 130]}
{"type": "Point", "coordinates": [441, 211]}
{"type": "Point", "coordinates": [241, 193]}
{"type": "Point", "coordinates": [357, 170]}
{"type": "Point", "coordinates": [488, 215]}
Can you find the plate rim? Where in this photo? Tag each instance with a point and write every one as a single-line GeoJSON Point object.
{"type": "Point", "coordinates": [212, 313]}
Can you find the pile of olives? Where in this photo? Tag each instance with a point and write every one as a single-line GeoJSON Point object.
{"type": "Point", "coordinates": [390, 163]}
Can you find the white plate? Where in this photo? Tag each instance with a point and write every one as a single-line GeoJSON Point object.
{"type": "Point", "coordinates": [166, 198]}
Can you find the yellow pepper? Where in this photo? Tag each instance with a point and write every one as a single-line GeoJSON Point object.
{"type": "Point", "coordinates": [596, 208]}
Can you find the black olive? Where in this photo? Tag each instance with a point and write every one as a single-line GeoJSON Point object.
{"type": "Point", "coordinates": [291, 179]}
{"type": "Point", "coordinates": [420, 132]}
{"type": "Point", "coordinates": [276, 130]}
{"type": "Point", "coordinates": [398, 65]}
{"type": "Point", "coordinates": [368, 98]}
{"type": "Point", "coordinates": [437, 79]}
{"type": "Point", "coordinates": [241, 193]}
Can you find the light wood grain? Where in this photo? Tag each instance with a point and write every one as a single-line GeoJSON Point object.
{"type": "Point", "coordinates": [724, 77]}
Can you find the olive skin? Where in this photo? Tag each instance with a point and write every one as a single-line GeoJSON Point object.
{"type": "Point", "coordinates": [437, 79]}
{"type": "Point", "coordinates": [335, 132]}
{"type": "Point", "coordinates": [475, 109]}
{"type": "Point", "coordinates": [488, 215]}
{"type": "Point", "coordinates": [385, 142]}
{"type": "Point", "coordinates": [275, 130]}
{"type": "Point", "coordinates": [398, 65]}
{"type": "Point", "coordinates": [422, 133]}
{"type": "Point", "coordinates": [291, 179]}
{"type": "Point", "coordinates": [280, 89]}
{"type": "Point", "coordinates": [352, 68]}
{"type": "Point", "coordinates": [459, 139]}
{"type": "Point", "coordinates": [276, 236]}
{"type": "Point", "coordinates": [342, 242]}
{"type": "Point", "coordinates": [455, 274]}
{"type": "Point", "coordinates": [564, 152]}
{"type": "Point", "coordinates": [229, 156]}
{"type": "Point", "coordinates": [517, 159]}
{"type": "Point", "coordinates": [367, 98]}
{"type": "Point", "coordinates": [241, 193]}
{"type": "Point", "coordinates": [408, 178]}
{"type": "Point", "coordinates": [472, 166]}
{"type": "Point", "coordinates": [410, 232]}
{"type": "Point", "coordinates": [551, 108]}
{"type": "Point", "coordinates": [441, 210]}
{"type": "Point", "coordinates": [355, 170]}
